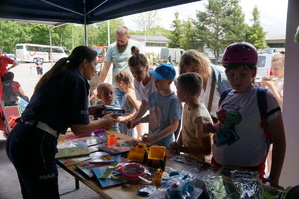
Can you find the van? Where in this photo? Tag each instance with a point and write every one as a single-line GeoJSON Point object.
{"type": "Point", "coordinates": [172, 55]}
{"type": "Point", "coordinates": [272, 50]}
{"type": "Point", "coordinates": [264, 66]}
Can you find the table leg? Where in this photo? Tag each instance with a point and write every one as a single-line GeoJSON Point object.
{"type": "Point", "coordinates": [77, 187]}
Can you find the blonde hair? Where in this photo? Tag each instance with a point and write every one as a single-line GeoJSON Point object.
{"type": "Point", "coordinates": [124, 77]}
{"type": "Point", "coordinates": [193, 56]}
{"type": "Point", "coordinates": [280, 57]}
{"type": "Point", "coordinates": [103, 86]}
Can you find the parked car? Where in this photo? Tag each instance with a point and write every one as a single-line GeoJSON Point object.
{"type": "Point", "coordinates": [263, 66]}
{"type": "Point", "coordinates": [12, 56]}
{"type": "Point", "coordinates": [272, 50]}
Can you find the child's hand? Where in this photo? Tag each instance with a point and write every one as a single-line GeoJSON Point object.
{"type": "Point", "coordinates": [132, 123]}
{"type": "Point", "coordinates": [208, 127]}
{"type": "Point", "coordinates": [148, 138]}
{"type": "Point", "coordinates": [175, 148]}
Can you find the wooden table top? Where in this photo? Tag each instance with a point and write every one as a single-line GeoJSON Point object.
{"type": "Point", "coordinates": [127, 190]}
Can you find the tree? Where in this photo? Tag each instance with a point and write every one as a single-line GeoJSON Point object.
{"type": "Point", "coordinates": [40, 35]}
{"type": "Point", "coordinates": [255, 34]}
{"type": "Point", "coordinates": [189, 41]}
{"type": "Point", "coordinates": [147, 20]}
{"type": "Point", "coordinates": [177, 33]}
{"type": "Point", "coordinates": [102, 27]}
{"type": "Point", "coordinates": [221, 24]}
{"type": "Point", "coordinates": [155, 31]}
{"type": "Point", "coordinates": [12, 33]}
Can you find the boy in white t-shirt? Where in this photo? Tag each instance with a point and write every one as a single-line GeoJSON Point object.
{"type": "Point", "coordinates": [240, 139]}
{"type": "Point", "coordinates": [192, 139]}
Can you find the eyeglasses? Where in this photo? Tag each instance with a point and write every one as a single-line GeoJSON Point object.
{"type": "Point", "coordinates": [121, 41]}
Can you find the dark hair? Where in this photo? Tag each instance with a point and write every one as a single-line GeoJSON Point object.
{"type": "Point", "coordinates": [191, 82]}
{"type": "Point", "coordinates": [78, 55]}
{"type": "Point", "coordinates": [137, 59]}
{"type": "Point", "coordinates": [9, 75]}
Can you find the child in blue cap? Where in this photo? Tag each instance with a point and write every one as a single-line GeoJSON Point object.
{"type": "Point", "coordinates": [165, 110]}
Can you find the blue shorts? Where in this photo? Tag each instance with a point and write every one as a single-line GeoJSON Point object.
{"type": "Point", "coordinates": [39, 70]}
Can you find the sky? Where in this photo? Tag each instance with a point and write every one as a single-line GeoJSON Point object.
{"type": "Point", "coordinates": [273, 14]}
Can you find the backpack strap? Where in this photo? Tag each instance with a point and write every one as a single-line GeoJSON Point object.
{"type": "Point", "coordinates": [263, 108]}
{"type": "Point", "coordinates": [223, 95]}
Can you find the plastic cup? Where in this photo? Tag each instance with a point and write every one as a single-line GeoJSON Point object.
{"type": "Point", "coordinates": [112, 139]}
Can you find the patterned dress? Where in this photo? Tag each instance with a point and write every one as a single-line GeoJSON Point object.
{"type": "Point", "coordinates": [129, 108]}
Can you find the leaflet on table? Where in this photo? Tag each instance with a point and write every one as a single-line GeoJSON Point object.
{"type": "Point", "coordinates": [103, 157]}
{"type": "Point", "coordinates": [120, 147]}
{"type": "Point", "coordinates": [113, 170]}
{"type": "Point", "coordinates": [72, 152]}
{"type": "Point", "coordinates": [71, 161]}
{"type": "Point", "coordinates": [190, 162]}
{"type": "Point", "coordinates": [86, 166]}
{"type": "Point", "coordinates": [91, 139]}
{"type": "Point", "coordinates": [106, 182]}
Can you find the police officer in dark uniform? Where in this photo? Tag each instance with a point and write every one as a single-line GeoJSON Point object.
{"type": "Point", "coordinates": [59, 102]}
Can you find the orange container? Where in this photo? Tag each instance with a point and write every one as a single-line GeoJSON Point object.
{"type": "Point", "coordinates": [112, 139]}
{"type": "Point", "coordinates": [157, 152]}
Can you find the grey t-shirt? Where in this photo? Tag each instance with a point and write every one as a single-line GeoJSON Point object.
{"type": "Point", "coordinates": [162, 109]}
{"type": "Point", "coordinates": [120, 60]}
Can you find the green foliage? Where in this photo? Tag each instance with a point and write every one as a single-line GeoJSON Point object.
{"type": "Point", "coordinates": [147, 20]}
{"type": "Point", "coordinates": [221, 24]}
{"type": "Point", "coordinates": [12, 33]}
{"type": "Point", "coordinates": [255, 34]}
{"type": "Point", "coordinates": [155, 31]}
{"type": "Point", "coordinates": [189, 40]}
{"type": "Point", "coordinates": [102, 28]}
{"type": "Point", "coordinates": [176, 36]}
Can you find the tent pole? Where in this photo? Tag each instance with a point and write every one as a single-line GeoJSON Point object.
{"type": "Point", "coordinates": [50, 34]}
{"type": "Point", "coordinates": [85, 26]}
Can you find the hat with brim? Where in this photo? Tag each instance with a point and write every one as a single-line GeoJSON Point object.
{"type": "Point", "coordinates": [164, 71]}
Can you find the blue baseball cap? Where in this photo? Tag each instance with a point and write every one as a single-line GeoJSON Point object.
{"type": "Point", "coordinates": [163, 71]}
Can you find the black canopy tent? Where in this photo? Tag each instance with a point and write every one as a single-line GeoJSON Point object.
{"type": "Point", "coordinates": [57, 12]}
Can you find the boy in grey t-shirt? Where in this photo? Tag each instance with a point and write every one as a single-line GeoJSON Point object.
{"type": "Point", "coordinates": [164, 107]}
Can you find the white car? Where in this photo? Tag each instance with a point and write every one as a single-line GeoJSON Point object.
{"type": "Point", "coordinates": [12, 56]}
{"type": "Point", "coordinates": [263, 66]}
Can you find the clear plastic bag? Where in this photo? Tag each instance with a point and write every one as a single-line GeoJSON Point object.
{"type": "Point", "coordinates": [248, 184]}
